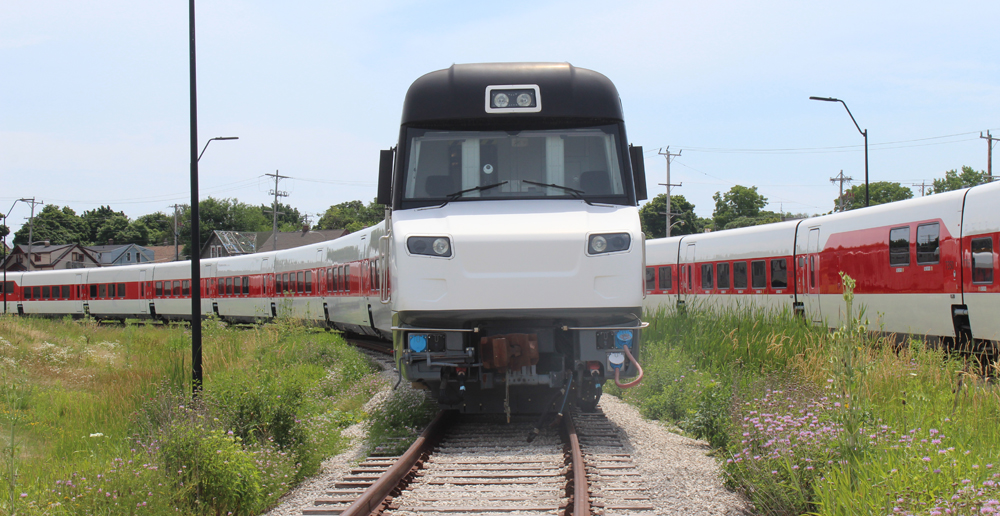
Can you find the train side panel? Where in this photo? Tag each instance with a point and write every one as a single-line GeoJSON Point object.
{"type": "Point", "coordinates": [662, 284]}
{"type": "Point", "coordinates": [980, 264]}
{"type": "Point", "coordinates": [49, 293]}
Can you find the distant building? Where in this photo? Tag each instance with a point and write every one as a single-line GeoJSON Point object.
{"type": "Point", "coordinates": [165, 253]}
{"type": "Point", "coordinates": [50, 257]}
{"type": "Point", "coordinates": [125, 254]}
{"type": "Point", "coordinates": [237, 243]}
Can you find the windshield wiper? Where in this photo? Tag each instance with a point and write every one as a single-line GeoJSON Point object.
{"type": "Point", "coordinates": [456, 195]}
{"type": "Point", "coordinates": [572, 191]}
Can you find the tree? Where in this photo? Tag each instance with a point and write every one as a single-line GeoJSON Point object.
{"type": "Point", "coordinates": [881, 192]}
{"type": "Point", "coordinates": [4, 230]}
{"type": "Point", "coordinates": [652, 216]}
{"type": "Point", "coordinates": [764, 217]}
{"type": "Point", "coordinates": [289, 219]}
{"type": "Point", "coordinates": [739, 201]}
{"type": "Point", "coordinates": [953, 180]}
{"type": "Point", "coordinates": [159, 228]}
{"type": "Point", "coordinates": [352, 216]}
{"type": "Point", "coordinates": [119, 230]}
{"type": "Point", "coordinates": [55, 224]}
{"type": "Point", "coordinates": [95, 219]}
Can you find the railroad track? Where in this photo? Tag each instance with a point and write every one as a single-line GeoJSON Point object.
{"type": "Point", "coordinates": [468, 464]}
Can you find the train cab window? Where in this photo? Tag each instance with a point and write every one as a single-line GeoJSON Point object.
{"type": "Point", "coordinates": [300, 282]}
{"type": "Point", "coordinates": [899, 246]}
{"type": "Point", "coordinates": [159, 288]}
{"type": "Point", "coordinates": [46, 293]}
{"type": "Point", "coordinates": [982, 260]}
{"type": "Point", "coordinates": [928, 241]}
{"type": "Point", "coordinates": [177, 288]}
{"type": "Point", "coordinates": [739, 274]}
{"type": "Point", "coordinates": [246, 285]}
{"type": "Point", "coordinates": [666, 278]}
{"type": "Point", "coordinates": [121, 290]}
{"type": "Point", "coordinates": [650, 279]}
{"type": "Point", "coordinates": [779, 273]}
{"type": "Point", "coordinates": [26, 292]}
{"type": "Point", "coordinates": [706, 277]}
{"type": "Point", "coordinates": [309, 282]}
{"type": "Point", "coordinates": [758, 274]}
{"type": "Point", "coordinates": [722, 273]}
{"type": "Point", "coordinates": [186, 288]}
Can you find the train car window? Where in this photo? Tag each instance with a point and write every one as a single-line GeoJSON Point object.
{"type": "Point", "coordinates": [378, 279]}
{"type": "Point", "coordinates": [186, 288]}
{"type": "Point", "coordinates": [347, 278]}
{"type": "Point", "coordinates": [899, 246]}
{"type": "Point", "coordinates": [65, 292]}
{"type": "Point", "coordinates": [287, 288]}
{"type": "Point", "coordinates": [177, 288]}
{"type": "Point", "coordinates": [102, 291]}
{"type": "Point", "coordinates": [300, 282]}
{"type": "Point", "coordinates": [26, 292]}
{"type": "Point", "coordinates": [666, 278]}
{"type": "Point", "coordinates": [650, 279]}
{"type": "Point", "coordinates": [928, 240]}
{"type": "Point", "coordinates": [706, 277]}
{"type": "Point", "coordinates": [758, 274]}
{"type": "Point", "coordinates": [229, 287]}
{"type": "Point", "coordinates": [93, 292]}
{"type": "Point", "coordinates": [982, 260]}
{"type": "Point", "coordinates": [722, 273]}
{"type": "Point", "coordinates": [320, 280]}
{"type": "Point", "coordinates": [9, 286]}
{"type": "Point", "coordinates": [121, 290]}
{"type": "Point", "coordinates": [159, 289]}
{"type": "Point", "coordinates": [46, 293]}
{"type": "Point", "coordinates": [812, 272]}
{"type": "Point", "coordinates": [739, 274]}
{"type": "Point", "coordinates": [246, 285]}
{"type": "Point", "coordinates": [278, 284]}
{"type": "Point", "coordinates": [690, 283]}
{"type": "Point", "coordinates": [779, 273]}
{"type": "Point", "coordinates": [329, 279]}
{"type": "Point", "coordinates": [309, 282]}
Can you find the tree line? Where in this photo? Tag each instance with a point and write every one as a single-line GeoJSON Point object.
{"type": "Point", "coordinates": [743, 206]}
{"type": "Point", "coordinates": [104, 225]}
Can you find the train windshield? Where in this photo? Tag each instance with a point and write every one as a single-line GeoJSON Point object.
{"type": "Point", "coordinates": [478, 165]}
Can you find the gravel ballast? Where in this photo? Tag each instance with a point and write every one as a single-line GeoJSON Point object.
{"type": "Point", "coordinates": [678, 474]}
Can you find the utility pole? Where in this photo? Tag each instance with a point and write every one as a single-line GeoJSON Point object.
{"type": "Point", "coordinates": [177, 253]}
{"type": "Point", "coordinates": [31, 226]}
{"type": "Point", "coordinates": [274, 211]}
{"type": "Point", "coordinates": [989, 154]}
{"type": "Point", "coordinates": [922, 185]}
{"type": "Point", "coordinates": [666, 153]}
{"type": "Point", "coordinates": [842, 180]}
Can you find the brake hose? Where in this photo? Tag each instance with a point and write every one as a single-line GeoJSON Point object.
{"type": "Point", "coordinates": [638, 378]}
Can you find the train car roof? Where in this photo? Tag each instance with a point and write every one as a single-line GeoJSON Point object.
{"type": "Point", "coordinates": [459, 92]}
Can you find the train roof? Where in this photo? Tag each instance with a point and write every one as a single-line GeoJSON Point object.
{"type": "Point", "coordinates": [459, 93]}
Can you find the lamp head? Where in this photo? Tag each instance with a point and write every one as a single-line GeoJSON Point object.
{"type": "Point", "coordinates": [825, 99]}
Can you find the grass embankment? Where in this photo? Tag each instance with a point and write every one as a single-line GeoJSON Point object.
{"type": "Point", "coordinates": [99, 420]}
{"type": "Point", "coordinates": [808, 421]}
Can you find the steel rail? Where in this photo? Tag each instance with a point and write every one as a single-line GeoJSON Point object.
{"type": "Point", "coordinates": [370, 502]}
{"type": "Point", "coordinates": [581, 490]}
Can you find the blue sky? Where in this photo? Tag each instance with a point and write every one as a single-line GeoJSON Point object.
{"type": "Point", "coordinates": [94, 95]}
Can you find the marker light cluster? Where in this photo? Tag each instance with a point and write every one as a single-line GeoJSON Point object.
{"type": "Point", "coordinates": [516, 98]}
{"type": "Point", "coordinates": [609, 243]}
{"type": "Point", "coordinates": [429, 246]}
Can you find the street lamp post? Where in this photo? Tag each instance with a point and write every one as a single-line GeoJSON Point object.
{"type": "Point", "coordinates": [196, 373]}
{"type": "Point", "coordinates": [863, 133]}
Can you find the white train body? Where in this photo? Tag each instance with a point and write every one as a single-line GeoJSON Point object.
{"type": "Point", "coordinates": [924, 266]}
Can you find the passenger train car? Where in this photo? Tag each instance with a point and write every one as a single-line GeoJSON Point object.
{"type": "Point", "coordinates": [924, 266]}
{"type": "Point", "coordinates": [508, 272]}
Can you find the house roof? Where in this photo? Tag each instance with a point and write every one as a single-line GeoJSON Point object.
{"type": "Point", "coordinates": [113, 251]}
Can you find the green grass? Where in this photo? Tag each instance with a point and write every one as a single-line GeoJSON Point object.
{"type": "Point", "coordinates": [99, 419]}
{"type": "Point", "coordinates": [805, 421]}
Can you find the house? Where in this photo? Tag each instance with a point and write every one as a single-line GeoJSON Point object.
{"type": "Point", "coordinates": [50, 257]}
{"type": "Point", "coordinates": [124, 254]}
{"type": "Point", "coordinates": [236, 243]}
{"type": "Point", "coordinates": [165, 253]}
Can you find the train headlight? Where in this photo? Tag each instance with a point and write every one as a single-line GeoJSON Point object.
{"type": "Point", "coordinates": [513, 98]}
{"type": "Point", "coordinates": [418, 343]}
{"type": "Point", "coordinates": [429, 246]}
{"type": "Point", "coordinates": [609, 243]}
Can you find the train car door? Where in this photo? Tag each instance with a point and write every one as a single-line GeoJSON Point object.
{"type": "Point", "coordinates": [810, 277]}
{"type": "Point", "coordinates": [687, 275]}
{"type": "Point", "coordinates": [80, 289]}
{"type": "Point", "coordinates": [143, 305]}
